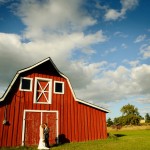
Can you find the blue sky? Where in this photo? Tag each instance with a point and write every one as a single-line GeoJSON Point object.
{"type": "Point", "coordinates": [103, 47]}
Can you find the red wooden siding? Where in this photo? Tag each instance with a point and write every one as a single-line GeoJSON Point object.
{"type": "Point", "coordinates": [32, 122]}
{"type": "Point", "coordinates": [77, 121]}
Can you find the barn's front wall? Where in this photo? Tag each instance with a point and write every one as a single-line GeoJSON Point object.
{"type": "Point", "coordinates": [74, 121]}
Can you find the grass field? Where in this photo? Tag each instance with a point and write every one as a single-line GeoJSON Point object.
{"type": "Point", "coordinates": [133, 138]}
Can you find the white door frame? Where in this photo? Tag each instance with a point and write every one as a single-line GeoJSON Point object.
{"type": "Point", "coordinates": [41, 111]}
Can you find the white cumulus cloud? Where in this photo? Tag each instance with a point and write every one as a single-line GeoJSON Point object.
{"type": "Point", "coordinates": [113, 14]}
{"type": "Point", "coordinates": [58, 16]}
{"type": "Point", "coordinates": [122, 83]}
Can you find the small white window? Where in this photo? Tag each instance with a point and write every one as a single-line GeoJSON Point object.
{"type": "Point", "coordinates": [25, 84]}
{"type": "Point", "coordinates": [58, 87]}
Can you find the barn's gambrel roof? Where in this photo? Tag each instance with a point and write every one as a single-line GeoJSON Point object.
{"type": "Point", "coordinates": [61, 74]}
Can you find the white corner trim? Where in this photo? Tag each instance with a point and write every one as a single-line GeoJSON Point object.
{"type": "Point", "coordinates": [23, 127]}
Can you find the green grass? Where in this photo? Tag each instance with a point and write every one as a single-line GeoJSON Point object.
{"type": "Point", "coordinates": [118, 140]}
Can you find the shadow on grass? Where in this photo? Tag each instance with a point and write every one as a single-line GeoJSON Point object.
{"type": "Point", "coordinates": [119, 135]}
{"type": "Point", "coordinates": [62, 140]}
{"type": "Point", "coordinates": [115, 136]}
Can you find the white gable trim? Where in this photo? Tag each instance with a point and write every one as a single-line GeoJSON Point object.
{"type": "Point", "coordinates": [37, 64]}
{"type": "Point", "coordinates": [24, 70]}
{"type": "Point", "coordinates": [9, 87]}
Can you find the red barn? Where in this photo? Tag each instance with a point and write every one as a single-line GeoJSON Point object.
{"type": "Point", "coordinates": [41, 93]}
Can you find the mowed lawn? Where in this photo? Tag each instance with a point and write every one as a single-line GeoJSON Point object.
{"type": "Point", "coordinates": [124, 139]}
{"type": "Point", "coordinates": [118, 140]}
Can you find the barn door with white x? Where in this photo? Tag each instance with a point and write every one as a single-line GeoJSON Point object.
{"type": "Point", "coordinates": [42, 90]}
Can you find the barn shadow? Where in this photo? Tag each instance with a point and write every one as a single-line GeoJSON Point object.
{"type": "Point", "coordinates": [119, 135]}
{"type": "Point", "coordinates": [63, 139]}
{"type": "Point", "coordinates": [115, 136]}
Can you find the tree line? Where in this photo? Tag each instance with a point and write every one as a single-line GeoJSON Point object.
{"type": "Point", "coordinates": [130, 116]}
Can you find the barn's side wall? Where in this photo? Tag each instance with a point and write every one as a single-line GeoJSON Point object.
{"type": "Point", "coordinates": [82, 122]}
{"type": "Point", "coordinates": [78, 122]}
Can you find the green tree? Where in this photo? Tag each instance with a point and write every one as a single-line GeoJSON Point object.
{"type": "Point", "coordinates": [130, 116]}
{"type": "Point", "coordinates": [129, 109]}
{"type": "Point", "coordinates": [109, 122]}
{"type": "Point", "coordinates": [118, 120]}
{"type": "Point", "coordinates": [147, 118]}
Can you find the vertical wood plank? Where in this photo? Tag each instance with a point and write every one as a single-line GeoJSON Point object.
{"type": "Point", "coordinates": [89, 123]}
{"type": "Point", "coordinates": [69, 115]}
{"type": "Point", "coordinates": [76, 133]}
{"type": "Point", "coordinates": [9, 141]}
{"type": "Point", "coordinates": [1, 125]}
{"type": "Point", "coordinates": [98, 123]}
{"type": "Point", "coordinates": [86, 123]}
{"type": "Point", "coordinates": [83, 122]}
{"type": "Point", "coordinates": [15, 121]}
{"type": "Point", "coordinates": [72, 118]}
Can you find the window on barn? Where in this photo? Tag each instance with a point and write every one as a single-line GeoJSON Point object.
{"type": "Point", "coordinates": [58, 87]}
{"type": "Point", "coordinates": [25, 84]}
{"type": "Point", "coordinates": [42, 90]}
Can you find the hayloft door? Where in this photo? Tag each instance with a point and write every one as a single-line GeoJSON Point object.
{"type": "Point", "coordinates": [42, 90]}
{"type": "Point", "coordinates": [31, 124]}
